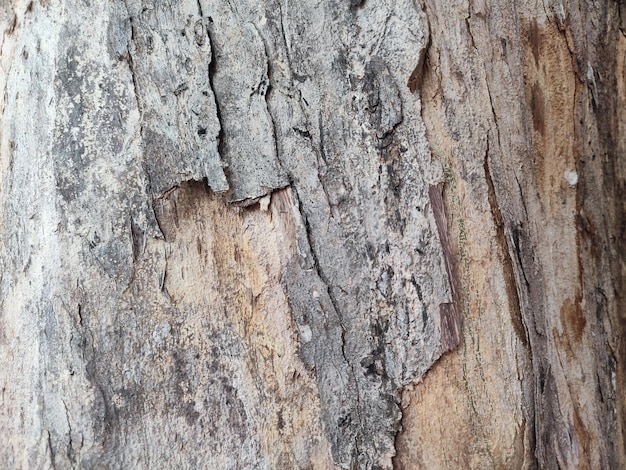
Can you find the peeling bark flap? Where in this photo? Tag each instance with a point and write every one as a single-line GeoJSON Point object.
{"type": "Point", "coordinates": [450, 318]}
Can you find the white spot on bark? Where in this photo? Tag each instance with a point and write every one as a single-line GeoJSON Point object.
{"type": "Point", "coordinates": [571, 177]}
{"type": "Point", "coordinates": [264, 202]}
{"type": "Point", "coordinates": [161, 332]}
{"type": "Point", "coordinates": [305, 333]}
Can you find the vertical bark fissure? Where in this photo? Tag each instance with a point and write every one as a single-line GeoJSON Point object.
{"type": "Point", "coordinates": [133, 74]}
{"type": "Point", "coordinates": [266, 96]}
{"type": "Point", "coordinates": [211, 74]}
{"type": "Point", "coordinates": [513, 236]}
{"type": "Point", "coordinates": [513, 290]}
{"type": "Point", "coordinates": [284, 37]}
{"type": "Point", "coordinates": [505, 252]}
{"type": "Point", "coordinates": [318, 269]}
{"type": "Point", "coordinates": [51, 450]}
{"type": "Point", "coordinates": [495, 123]}
{"type": "Point", "coordinates": [320, 154]}
{"type": "Point", "coordinates": [70, 446]}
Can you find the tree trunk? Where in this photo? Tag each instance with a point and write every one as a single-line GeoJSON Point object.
{"type": "Point", "coordinates": [284, 235]}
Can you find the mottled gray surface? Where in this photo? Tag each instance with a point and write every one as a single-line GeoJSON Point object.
{"type": "Point", "coordinates": [112, 107]}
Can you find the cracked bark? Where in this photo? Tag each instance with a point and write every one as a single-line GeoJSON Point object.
{"type": "Point", "coordinates": [243, 235]}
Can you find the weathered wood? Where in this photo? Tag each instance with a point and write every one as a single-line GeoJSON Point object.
{"type": "Point", "coordinates": [242, 234]}
{"type": "Point", "coordinates": [524, 104]}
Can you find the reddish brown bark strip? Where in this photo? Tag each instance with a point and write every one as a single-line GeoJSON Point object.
{"type": "Point", "coordinates": [450, 317]}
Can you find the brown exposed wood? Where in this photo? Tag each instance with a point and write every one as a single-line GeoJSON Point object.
{"type": "Point", "coordinates": [545, 174]}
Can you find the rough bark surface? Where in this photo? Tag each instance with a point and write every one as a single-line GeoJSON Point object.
{"type": "Point", "coordinates": [238, 234]}
{"type": "Point", "coordinates": [524, 104]}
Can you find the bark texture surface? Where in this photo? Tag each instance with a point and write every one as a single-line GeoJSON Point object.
{"type": "Point", "coordinates": [523, 102]}
{"type": "Point", "coordinates": [240, 234]}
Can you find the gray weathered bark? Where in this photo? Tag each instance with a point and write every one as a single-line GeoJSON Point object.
{"type": "Point", "coordinates": [242, 235]}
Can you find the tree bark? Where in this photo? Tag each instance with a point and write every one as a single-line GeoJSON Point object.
{"type": "Point", "coordinates": [294, 235]}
